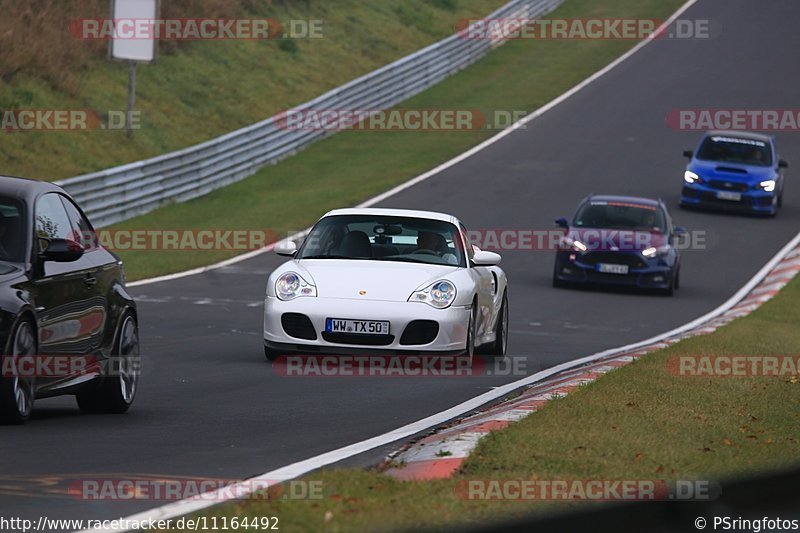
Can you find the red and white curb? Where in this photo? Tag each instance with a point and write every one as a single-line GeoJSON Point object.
{"type": "Point", "coordinates": [441, 454]}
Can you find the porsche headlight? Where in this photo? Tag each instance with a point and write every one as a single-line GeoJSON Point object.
{"type": "Point", "coordinates": [292, 285]}
{"type": "Point", "coordinates": [440, 295]}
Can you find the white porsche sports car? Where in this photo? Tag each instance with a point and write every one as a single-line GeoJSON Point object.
{"type": "Point", "coordinates": [386, 280]}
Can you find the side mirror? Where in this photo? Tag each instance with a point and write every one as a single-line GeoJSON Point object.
{"type": "Point", "coordinates": [562, 223]}
{"type": "Point", "coordinates": [783, 164]}
{"type": "Point", "coordinates": [287, 248]}
{"type": "Point", "coordinates": [679, 231]}
{"type": "Point", "coordinates": [688, 154]}
{"type": "Point", "coordinates": [60, 250]}
{"type": "Point", "coordinates": [483, 258]}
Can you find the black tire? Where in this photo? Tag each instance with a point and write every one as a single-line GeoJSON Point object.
{"type": "Point", "coordinates": [775, 206]}
{"type": "Point", "coordinates": [500, 345]}
{"type": "Point", "coordinates": [469, 349]}
{"type": "Point", "coordinates": [677, 283]}
{"type": "Point", "coordinates": [17, 393]}
{"type": "Point", "coordinates": [271, 354]}
{"type": "Point", "coordinates": [557, 283]}
{"type": "Point", "coordinates": [117, 390]}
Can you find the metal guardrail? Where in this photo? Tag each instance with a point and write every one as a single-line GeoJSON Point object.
{"type": "Point", "coordinates": [134, 189]}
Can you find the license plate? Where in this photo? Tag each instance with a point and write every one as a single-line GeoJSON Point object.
{"type": "Point", "coordinates": [727, 195]}
{"type": "Point", "coordinates": [612, 269]}
{"type": "Point", "coordinates": [360, 327]}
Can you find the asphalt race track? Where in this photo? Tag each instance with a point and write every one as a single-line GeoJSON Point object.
{"type": "Point", "coordinates": [209, 404]}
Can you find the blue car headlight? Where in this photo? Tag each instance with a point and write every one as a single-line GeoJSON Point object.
{"type": "Point", "coordinates": [653, 251]}
{"type": "Point", "coordinates": [692, 177]}
{"type": "Point", "coordinates": [768, 185]}
{"type": "Point", "coordinates": [573, 244]}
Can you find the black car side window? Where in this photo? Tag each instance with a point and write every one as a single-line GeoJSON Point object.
{"type": "Point", "coordinates": [81, 227]}
{"type": "Point", "coordinates": [52, 221]}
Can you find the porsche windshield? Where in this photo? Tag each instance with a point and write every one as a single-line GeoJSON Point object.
{"type": "Point", "coordinates": [384, 238]}
{"type": "Point", "coordinates": [620, 215]}
{"type": "Point", "coordinates": [735, 150]}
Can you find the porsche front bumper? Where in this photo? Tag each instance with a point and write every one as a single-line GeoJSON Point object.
{"type": "Point", "coordinates": [299, 326]}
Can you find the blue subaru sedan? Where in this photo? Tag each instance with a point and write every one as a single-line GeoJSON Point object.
{"type": "Point", "coordinates": [734, 170]}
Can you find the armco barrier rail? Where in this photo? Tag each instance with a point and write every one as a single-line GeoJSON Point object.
{"type": "Point", "coordinates": [126, 191]}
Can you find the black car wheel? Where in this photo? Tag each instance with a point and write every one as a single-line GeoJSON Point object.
{"type": "Point", "coordinates": [557, 283]}
{"type": "Point", "coordinates": [116, 391]}
{"type": "Point", "coordinates": [469, 349]}
{"type": "Point", "coordinates": [500, 345]}
{"type": "Point", "coordinates": [17, 392]}
{"type": "Point", "coordinates": [669, 291]}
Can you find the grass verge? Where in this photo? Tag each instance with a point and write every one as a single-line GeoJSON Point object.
{"type": "Point", "coordinates": [639, 422]}
{"type": "Point", "coordinates": [354, 165]}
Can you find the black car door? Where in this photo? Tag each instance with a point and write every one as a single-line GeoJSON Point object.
{"type": "Point", "coordinates": [71, 314]}
{"type": "Point", "coordinates": [103, 271]}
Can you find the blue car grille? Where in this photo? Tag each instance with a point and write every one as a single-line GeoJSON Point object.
{"type": "Point", "coordinates": [616, 258]}
{"type": "Point", "coordinates": [728, 185]}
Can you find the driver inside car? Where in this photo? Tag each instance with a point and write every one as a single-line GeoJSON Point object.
{"type": "Point", "coordinates": [436, 243]}
{"type": "Point", "coordinates": [427, 240]}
